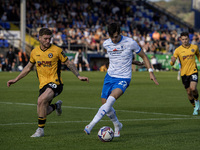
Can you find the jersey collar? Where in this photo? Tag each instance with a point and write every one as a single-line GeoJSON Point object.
{"type": "Point", "coordinates": [119, 40]}
{"type": "Point", "coordinates": [186, 47]}
{"type": "Point", "coordinates": [46, 49]}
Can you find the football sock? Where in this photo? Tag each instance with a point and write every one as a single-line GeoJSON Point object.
{"type": "Point", "coordinates": [41, 122]}
{"type": "Point", "coordinates": [112, 115]}
{"type": "Point", "coordinates": [192, 102]}
{"type": "Point", "coordinates": [54, 106]}
{"type": "Point", "coordinates": [102, 111]}
{"type": "Point", "coordinates": [196, 97]}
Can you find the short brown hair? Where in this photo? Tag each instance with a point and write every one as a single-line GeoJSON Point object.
{"type": "Point", "coordinates": [185, 34]}
{"type": "Point", "coordinates": [45, 31]}
{"type": "Point", "coordinates": [113, 28]}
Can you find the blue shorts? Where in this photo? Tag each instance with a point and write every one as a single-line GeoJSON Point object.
{"type": "Point", "coordinates": [111, 83]}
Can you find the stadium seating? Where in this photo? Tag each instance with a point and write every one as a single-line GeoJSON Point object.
{"type": "Point", "coordinates": [5, 25]}
{"type": "Point", "coordinates": [4, 43]}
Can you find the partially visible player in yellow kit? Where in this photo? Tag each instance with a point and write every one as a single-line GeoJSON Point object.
{"type": "Point", "coordinates": [189, 73]}
{"type": "Point", "coordinates": [47, 58]}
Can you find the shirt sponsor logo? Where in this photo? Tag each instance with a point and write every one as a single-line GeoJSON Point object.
{"type": "Point", "coordinates": [44, 63]}
{"type": "Point", "coordinates": [188, 57]}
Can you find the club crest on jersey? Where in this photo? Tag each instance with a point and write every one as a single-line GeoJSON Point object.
{"type": "Point", "coordinates": [192, 50]}
{"type": "Point", "coordinates": [50, 55]}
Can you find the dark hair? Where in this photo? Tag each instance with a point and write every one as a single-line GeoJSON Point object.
{"type": "Point", "coordinates": [113, 28]}
{"type": "Point", "coordinates": [185, 34]}
{"type": "Point", "coordinates": [45, 31]}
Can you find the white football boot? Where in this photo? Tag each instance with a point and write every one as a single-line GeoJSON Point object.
{"type": "Point", "coordinates": [87, 130]}
{"type": "Point", "coordinates": [39, 133]}
{"type": "Point", "coordinates": [118, 129]}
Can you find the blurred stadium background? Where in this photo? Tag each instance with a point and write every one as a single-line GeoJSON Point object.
{"type": "Point", "coordinates": [81, 24]}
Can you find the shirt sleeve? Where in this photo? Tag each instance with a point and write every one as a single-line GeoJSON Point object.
{"type": "Point", "coordinates": [62, 56]}
{"type": "Point", "coordinates": [32, 60]}
{"type": "Point", "coordinates": [175, 53]}
{"type": "Point", "coordinates": [136, 48]}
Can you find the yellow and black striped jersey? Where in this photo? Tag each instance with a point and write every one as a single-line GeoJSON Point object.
{"type": "Point", "coordinates": [187, 59]}
{"type": "Point", "coordinates": [48, 64]}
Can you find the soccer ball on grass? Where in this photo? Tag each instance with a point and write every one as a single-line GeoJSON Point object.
{"type": "Point", "coordinates": [106, 134]}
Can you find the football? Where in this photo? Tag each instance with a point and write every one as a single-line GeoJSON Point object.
{"type": "Point", "coordinates": [106, 134]}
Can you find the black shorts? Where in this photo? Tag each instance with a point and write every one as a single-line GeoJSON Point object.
{"type": "Point", "coordinates": [56, 88]}
{"type": "Point", "coordinates": [187, 79]}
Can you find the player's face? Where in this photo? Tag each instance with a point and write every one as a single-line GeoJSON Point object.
{"type": "Point", "coordinates": [185, 40]}
{"type": "Point", "coordinates": [116, 37]}
{"type": "Point", "coordinates": [45, 40]}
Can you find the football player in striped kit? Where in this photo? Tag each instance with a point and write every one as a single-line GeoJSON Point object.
{"type": "Point", "coordinates": [120, 52]}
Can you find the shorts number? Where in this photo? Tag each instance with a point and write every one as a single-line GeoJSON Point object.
{"type": "Point", "coordinates": [194, 77]}
{"type": "Point", "coordinates": [53, 85]}
{"type": "Point", "coordinates": [123, 83]}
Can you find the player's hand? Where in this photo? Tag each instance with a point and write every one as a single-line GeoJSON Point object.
{"type": "Point", "coordinates": [152, 77]}
{"type": "Point", "coordinates": [10, 82]}
{"type": "Point", "coordinates": [138, 63]}
{"type": "Point", "coordinates": [83, 78]}
{"type": "Point", "coordinates": [173, 59]}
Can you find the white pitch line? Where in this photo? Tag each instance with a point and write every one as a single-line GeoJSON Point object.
{"type": "Point", "coordinates": [125, 120]}
{"type": "Point", "coordinates": [129, 111]}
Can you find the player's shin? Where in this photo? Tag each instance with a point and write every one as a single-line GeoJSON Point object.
{"type": "Point", "coordinates": [102, 111]}
{"type": "Point", "coordinates": [113, 117]}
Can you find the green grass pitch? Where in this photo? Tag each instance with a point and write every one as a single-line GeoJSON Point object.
{"type": "Point", "coordinates": [154, 117]}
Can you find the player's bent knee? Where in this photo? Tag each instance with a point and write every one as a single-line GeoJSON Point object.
{"type": "Point", "coordinates": [103, 100]}
{"type": "Point", "coordinates": [42, 102]}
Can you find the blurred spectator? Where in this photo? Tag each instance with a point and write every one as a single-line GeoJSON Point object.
{"type": "Point", "coordinates": [153, 47]}
{"type": "Point", "coordinates": [10, 60]}
{"type": "Point", "coordinates": [23, 58]}
{"type": "Point", "coordinates": [57, 39]}
{"type": "Point", "coordinates": [4, 17]}
{"type": "Point", "coordinates": [156, 66]}
{"type": "Point", "coordinates": [80, 61]}
{"type": "Point", "coordinates": [195, 40]}
{"type": "Point", "coordinates": [148, 38]}
{"type": "Point", "coordinates": [96, 37]}
{"type": "Point", "coordinates": [103, 68]}
{"type": "Point", "coordinates": [2, 63]}
{"type": "Point", "coordinates": [72, 40]}
{"type": "Point", "coordinates": [147, 47]}
{"type": "Point", "coordinates": [92, 42]}
{"type": "Point", "coordinates": [94, 66]}
{"type": "Point", "coordinates": [156, 35]}
{"type": "Point", "coordinates": [162, 41]}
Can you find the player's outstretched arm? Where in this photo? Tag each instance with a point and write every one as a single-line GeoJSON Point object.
{"type": "Point", "coordinates": [148, 65]}
{"type": "Point", "coordinates": [73, 68]}
{"type": "Point", "coordinates": [24, 72]}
